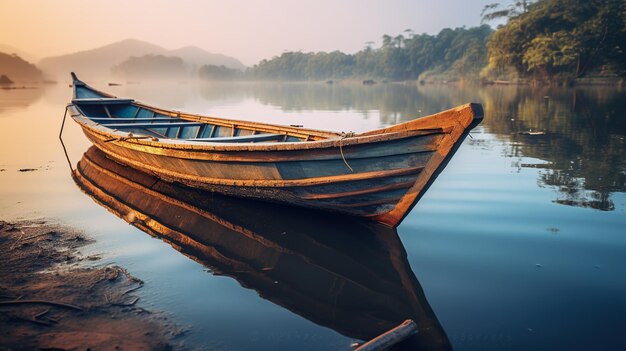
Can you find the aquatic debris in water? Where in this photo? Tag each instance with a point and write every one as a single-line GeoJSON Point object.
{"type": "Point", "coordinates": [27, 169]}
{"type": "Point", "coordinates": [530, 132]}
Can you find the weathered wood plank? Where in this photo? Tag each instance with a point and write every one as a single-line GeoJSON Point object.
{"type": "Point", "coordinates": [356, 185]}
{"type": "Point", "coordinates": [403, 185]}
{"type": "Point", "coordinates": [239, 139]}
{"type": "Point", "coordinates": [151, 125]}
{"type": "Point", "coordinates": [132, 120]}
{"type": "Point", "coordinates": [197, 180]}
{"type": "Point", "coordinates": [319, 168]}
{"type": "Point", "coordinates": [390, 338]}
{"type": "Point", "coordinates": [101, 101]}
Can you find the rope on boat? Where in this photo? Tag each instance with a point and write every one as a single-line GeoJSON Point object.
{"type": "Point", "coordinates": [61, 139]}
{"type": "Point", "coordinates": [130, 137]}
{"type": "Point", "coordinates": [345, 135]}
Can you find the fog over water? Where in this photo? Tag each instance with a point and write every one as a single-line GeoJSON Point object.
{"type": "Point", "coordinates": [247, 30]}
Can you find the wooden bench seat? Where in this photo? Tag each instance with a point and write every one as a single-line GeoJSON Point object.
{"type": "Point", "coordinates": [101, 101]}
{"type": "Point", "coordinates": [137, 119]}
{"type": "Point", "coordinates": [151, 125]}
{"type": "Point", "coordinates": [241, 139]}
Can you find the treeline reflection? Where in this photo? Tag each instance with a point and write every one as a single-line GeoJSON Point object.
{"type": "Point", "coordinates": [578, 132]}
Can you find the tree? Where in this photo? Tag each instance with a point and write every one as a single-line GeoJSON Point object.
{"type": "Point", "coordinates": [495, 10]}
{"type": "Point", "coordinates": [398, 40]}
{"type": "Point", "coordinates": [387, 41]}
{"type": "Point", "coordinates": [459, 51]}
{"type": "Point", "coordinates": [571, 37]}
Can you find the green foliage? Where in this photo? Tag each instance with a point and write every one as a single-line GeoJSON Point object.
{"type": "Point", "coordinates": [541, 39]}
{"type": "Point", "coordinates": [555, 37]}
{"type": "Point", "coordinates": [305, 66]}
{"type": "Point", "coordinates": [460, 51]}
{"type": "Point", "coordinates": [496, 11]}
{"type": "Point", "coordinates": [550, 52]}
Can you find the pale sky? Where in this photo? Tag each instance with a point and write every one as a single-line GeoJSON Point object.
{"type": "Point", "coordinates": [248, 30]}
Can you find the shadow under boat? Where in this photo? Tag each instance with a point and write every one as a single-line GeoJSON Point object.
{"type": "Point", "coordinates": [349, 275]}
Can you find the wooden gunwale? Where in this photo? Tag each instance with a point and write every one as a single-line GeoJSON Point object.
{"type": "Point", "coordinates": [329, 153]}
{"type": "Point", "coordinates": [372, 190]}
{"type": "Point", "coordinates": [193, 150]}
{"type": "Point", "coordinates": [233, 123]}
{"type": "Point", "coordinates": [224, 122]}
{"type": "Point", "coordinates": [230, 123]}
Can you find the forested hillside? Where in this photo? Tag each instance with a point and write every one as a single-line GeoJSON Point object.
{"type": "Point", "coordinates": [561, 38]}
{"type": "Point", "coordinates": [538, 40]}
{"type": "Point", "coordinates": [460, 51]}
{"type": "Point", "coordinates": [19, 70]}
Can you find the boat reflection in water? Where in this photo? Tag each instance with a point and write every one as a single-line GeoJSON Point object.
{"type": "Point", "coordinates": [348, 275]}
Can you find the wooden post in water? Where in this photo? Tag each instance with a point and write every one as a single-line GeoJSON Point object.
{"type": "Point", "coordinates": [390, 338]}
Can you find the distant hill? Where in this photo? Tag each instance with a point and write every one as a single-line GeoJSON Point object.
{"type": "Point", "coordinates": [197, 57]}
{"type": "Point", "coordinates": [19, 70]}
{"type": "Point", "coordinates": [150, 67]}
{"type": "Point", "coordinates": [9, 49]}
{"type": "Point", "coordinates": [4, 80]}
{"type": "Point", "coordinates": [98, 62]}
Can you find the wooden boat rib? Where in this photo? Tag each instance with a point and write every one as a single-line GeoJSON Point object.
{"type": "Point", "coordinates": [349, 275]}
{"type": "Point", "coordinates": [379, 174]}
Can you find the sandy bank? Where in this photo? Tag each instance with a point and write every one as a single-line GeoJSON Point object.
{"type": "Point", "coordinates": [49, 299]}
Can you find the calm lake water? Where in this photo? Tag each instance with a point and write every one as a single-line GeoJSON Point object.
{"type": "Point", "coordinates": [520, 244]}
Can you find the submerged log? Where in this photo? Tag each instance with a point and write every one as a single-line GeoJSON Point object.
{"type": "Point", "coordinates": [390, 338]}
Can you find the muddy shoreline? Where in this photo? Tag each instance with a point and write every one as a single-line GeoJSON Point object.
{"type": "Point", "coordinates": [54, 298]}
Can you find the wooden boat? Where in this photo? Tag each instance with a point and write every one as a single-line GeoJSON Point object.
{"type": "Point", "coordinates": [378, 174]}
{"type": "Point", "coordinates": [346, 274]}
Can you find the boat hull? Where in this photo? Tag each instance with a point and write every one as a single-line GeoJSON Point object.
{"type": "Point", "coordinates": [379, 174]}
{"type": "Point", "coordinates": [361, 180]}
